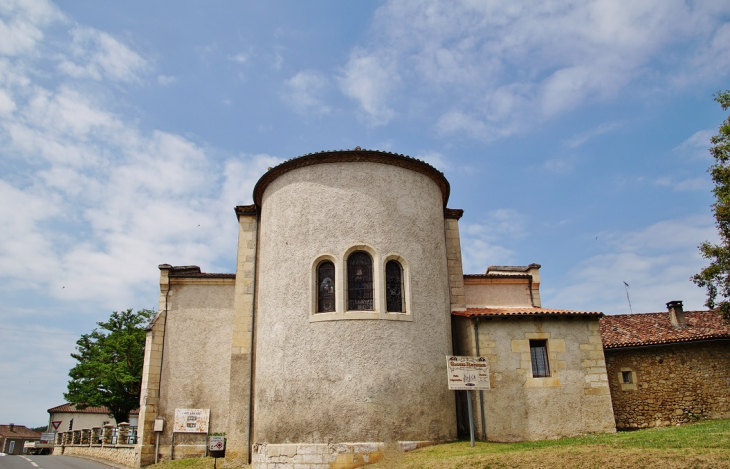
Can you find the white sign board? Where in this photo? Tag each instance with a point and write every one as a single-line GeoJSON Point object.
{"type": "Point", "coordinates": [216, 443]}
{"type": "Point", "coordinates": [467, 373]}
{"type": "Point", "coordinates": [191, 420]}
{"type": "Point", "coordinates": [48, 436]}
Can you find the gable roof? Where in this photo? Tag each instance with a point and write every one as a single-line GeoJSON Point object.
{"type": "Point", "coordinates": [67, 407]}
{"type": "Point", "coordinates": [632, 330]}
{"type": "Point", "coordinates": [18, 431]}
{"type": "Point", "coordinates": [522, 311]}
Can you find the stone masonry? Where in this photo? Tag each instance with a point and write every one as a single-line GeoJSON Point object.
{"type": "Point", "coordinates": [674, 384]}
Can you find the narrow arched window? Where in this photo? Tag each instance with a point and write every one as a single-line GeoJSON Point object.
{"type": "Point", "coordinates": [359, 282]}
{"type": "Point", "coordinates": [326, 287]}
{"type": "Point", "coordinates": [394, 286]}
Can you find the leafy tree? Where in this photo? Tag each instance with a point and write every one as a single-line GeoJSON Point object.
{"type": "Point", "coordinates": [109, 368]}
{"type": "Point", "coordinates": [716, 277]}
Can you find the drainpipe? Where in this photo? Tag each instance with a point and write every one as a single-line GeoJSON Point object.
{"type": "Point", "coordinates": [481, 393]}
{"type": "Point", "coordinates": [532, 299]}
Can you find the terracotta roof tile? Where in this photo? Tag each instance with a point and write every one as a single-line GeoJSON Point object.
{"type": "Point", "coordinates": [89, 410]}
{"type": "Point", "coordinates": [473, 312]}
{"type": "Point", "coordinates": [19, 431]}
{"type": "Point", "coordinates": [631, 330]}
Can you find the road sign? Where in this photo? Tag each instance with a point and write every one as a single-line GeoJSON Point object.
{"type": "Point", "coordinates": [216, 443]}
{"type": "Point", "coordinates": [56, 424]}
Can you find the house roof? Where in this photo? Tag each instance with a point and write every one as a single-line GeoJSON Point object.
{"type": "Point", "coordinates": [632, 330]}
{"type": "Point", "coordinates": [513, 268]}
{"type": "Point", "coordinates": [18, 431]}
{"type": "Point", "coordinates": [89, 410]}
{"type": "Point", "coordinates": [191, 271]}
{"type": "Point", "coordinates": [520, 311]}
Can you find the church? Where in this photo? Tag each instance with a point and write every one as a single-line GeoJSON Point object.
{"type": "Point", "coordinates": [327, 347]}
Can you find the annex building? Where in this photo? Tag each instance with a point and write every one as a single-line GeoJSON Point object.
{"type": "Point", "coordinates": [328, 345]}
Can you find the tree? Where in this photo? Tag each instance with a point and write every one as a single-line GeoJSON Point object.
{"type": "Point", "coordinates": [716, 277]}
{"type": "Point", "coordinates": [109, 368]}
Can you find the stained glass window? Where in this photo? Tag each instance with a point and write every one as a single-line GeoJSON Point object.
{"type": "Point", "coordinates": [359, 282]}
{"type": "Point", "coordinates": [326, 287]}
{"type": "Point", "coordinates": [394, 287]}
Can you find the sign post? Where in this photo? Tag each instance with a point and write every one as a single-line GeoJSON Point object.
{"type": "Point", "coordinates": [217, 448]}
{"type": "Point", "coordinates": [467, 374]}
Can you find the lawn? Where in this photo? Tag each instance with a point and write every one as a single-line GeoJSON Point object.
{"type": "Point", "coordinates": [701, 445]}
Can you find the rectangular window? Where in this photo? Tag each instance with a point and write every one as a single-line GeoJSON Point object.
{"type": "Point", "coordinates": [626, 377]}
{"type": "Point", "coordinates": [12, 447]}
{"type": "Point", "coordinates": [538, 354]}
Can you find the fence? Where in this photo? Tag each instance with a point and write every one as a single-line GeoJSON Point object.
{"type": "Point", "coordinates": [113, 443]}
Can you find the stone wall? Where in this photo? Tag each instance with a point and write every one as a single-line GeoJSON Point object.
{"type": "Point", "coordinates": [122, 454]}
{"type": "Point", "coordinates": [573, 400]}
{"type": "Point", "coordinates": [672, 384]}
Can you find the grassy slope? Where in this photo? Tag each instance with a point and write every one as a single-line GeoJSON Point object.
{"type": "Point", "coordinates": [702, 445]}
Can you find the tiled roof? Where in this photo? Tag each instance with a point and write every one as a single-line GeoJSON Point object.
{"type": "Point", "coordinates": [89, 410]}
{"type": "Point", "coordinates": [19, 431]}
{"type": "Point", "coordinates": [191, 271]}
{"type": "Point", "coordinates": [631, 330]}
{"type": "Point", "coordinates": [525, 276]}
{"type": "Point", "coordinates": [473, 312]}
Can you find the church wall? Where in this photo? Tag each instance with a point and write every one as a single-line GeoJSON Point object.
{"type": "Point", "coordinates": [196, 359]}
{"type": "Point", "coordinates": [573, 400]}
{"type": "Point", "coordinates": [351, 380]}
{"type": "Point", "coordinates": [481, 293]}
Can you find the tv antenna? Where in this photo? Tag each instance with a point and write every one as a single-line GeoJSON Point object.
{"type": "Point", "coordinates": [626, 286]}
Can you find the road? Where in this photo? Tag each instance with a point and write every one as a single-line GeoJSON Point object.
{"type": "Point", "coordinates": [48, 462]}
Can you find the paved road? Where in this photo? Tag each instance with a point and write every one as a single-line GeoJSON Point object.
{"type": "Point", "coordinates": [48, 462]}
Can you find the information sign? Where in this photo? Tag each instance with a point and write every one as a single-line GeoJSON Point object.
{"type": "Point", "coordinates": [467, 373]}
{"type": "Point", "coordinates": [216, 443]}
{"type": "Point", "coordinates": [191, 420]}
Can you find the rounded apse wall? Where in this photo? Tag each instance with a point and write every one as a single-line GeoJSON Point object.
{"type": "Point", "coordinates": [368, 376]}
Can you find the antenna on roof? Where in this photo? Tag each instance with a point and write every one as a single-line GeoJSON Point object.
{"type": "Point", "coordinates": [626, 286]}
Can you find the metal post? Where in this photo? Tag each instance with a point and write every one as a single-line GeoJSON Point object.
{"type": "Point", "coordinates": [471, 418]}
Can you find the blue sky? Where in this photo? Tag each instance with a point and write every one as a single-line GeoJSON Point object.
{"type": "Point", "coordinates": [574, 135]}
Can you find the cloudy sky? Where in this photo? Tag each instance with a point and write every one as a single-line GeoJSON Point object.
{"type": "Point", "coordinates": [574, 135]}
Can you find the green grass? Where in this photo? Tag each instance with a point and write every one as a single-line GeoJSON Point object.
{"type": "Point", "coordinates": [702, 445]}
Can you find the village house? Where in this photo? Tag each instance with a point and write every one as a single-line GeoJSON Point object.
{"type": "Point", "coordinates": [667, 368]}
{"type": "Point", "coordinates": [13, 437]}
{"type": "Point", "coordinates": [329, 342]}
{"type": "Point", "coordinates": [67, 417]}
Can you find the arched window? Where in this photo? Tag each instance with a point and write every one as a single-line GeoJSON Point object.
{"type": "Point", "coordinates": [326, 287]}
{"type": "Point", "coordinates": [359, 282]}
{"type": "Point", "coordinates": [394, 287]}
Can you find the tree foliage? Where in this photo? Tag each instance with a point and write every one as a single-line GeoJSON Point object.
{"type": "Point", "coordinates": [716, 277]}
{"type": "Point", "coordinates": [109, 368]}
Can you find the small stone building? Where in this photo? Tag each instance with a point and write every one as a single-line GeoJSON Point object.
{"type": "Point", "coordinates": [667, 368]}
{"type": "Point", "coordinates": [547, 366]}
{"type": "Point", "coordinates": [329, 342]}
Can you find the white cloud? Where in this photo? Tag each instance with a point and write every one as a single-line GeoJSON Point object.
{"type": "Point", "coordinates": [697, 145]}
{"type": "Point", "coordinates": [686, 185]}
{"type": "Point", "coordinates": [482, 243]}
{"type": "Point", "coordinates": [368, 80]}
{"type": "Point", "coordinates": [303, 91]}
{"type": "Point", "coordinates": [21, 23]}
{"type": "Point", "coordinates": [580, 139]}
{"type": "Point", "coordinates": [655, 261]}
{"type": "Point", "coordinates": [500, 68]}
{"type": "Point", "coordinates": [165, 80]}
{"type": "Point", "coordinates": [97, 55]}
{"type": "Point", "coordinates": [435, 159]}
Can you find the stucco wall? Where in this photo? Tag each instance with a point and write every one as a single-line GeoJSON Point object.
{"type": "Point", "coordinates": [671, 383]}
{"type": "Point", "coordinates": [349, 380]}
{"type": "Point", "coordinates": [84, 420]}
{"type": "Point", "coordinates": [573, 400]}
{"type": "Point", "coordinates": [497, 292]}
{"type": "Point", "coordinates": [197, 355]}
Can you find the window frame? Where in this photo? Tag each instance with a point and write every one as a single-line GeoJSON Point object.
{"type": "Point", "coordinates": [368, 288]}
{"type": "Point", "coordinates": [318, 287]}
{"type": "Point", "coordinates": [539, 358]}
{"type": "Point", "coordinates": [401, 286]}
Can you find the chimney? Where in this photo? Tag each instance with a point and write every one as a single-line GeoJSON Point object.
{"type": "Point", "coordinates": [676, 314]}
{"type": "Point", "coordinates": [12, 426]}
